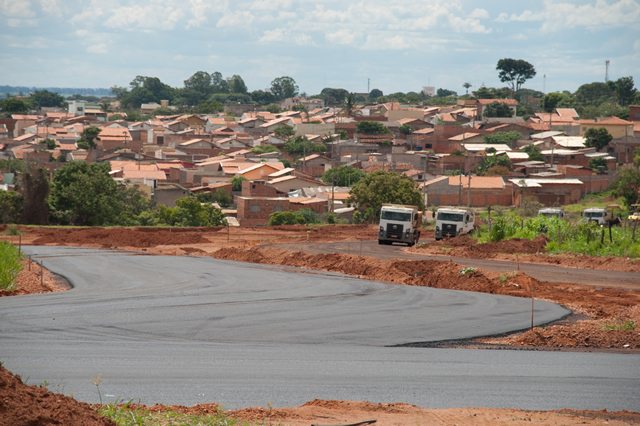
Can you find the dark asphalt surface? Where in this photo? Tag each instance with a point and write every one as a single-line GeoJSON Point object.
{"type": "Point", "coordinates": [187, 330]}
{"type": "Point", "coordinates": [542, 272]}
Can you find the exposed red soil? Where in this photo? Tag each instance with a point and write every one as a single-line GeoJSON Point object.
{"type": "Point", "coordinates": [528, 251]}
{"type": "Point", "coordinates": [36, 405]}
{"type": "Point", "coordinates": [30, 281]}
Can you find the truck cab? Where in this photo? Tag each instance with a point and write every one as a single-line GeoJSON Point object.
{"type": "Point", "coordinates": [399, 223]}
{"type": "Point", "coordinates": [551, 212]}
{"type": "Point", "coordinates": [454, 222]}
{"type": "Point", "coordinates": [596, 214]}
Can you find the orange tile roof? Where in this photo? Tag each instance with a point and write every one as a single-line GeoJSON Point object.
{"type": "Point", "coordinates": [141, 174]}
{"type": "Point", "coordinates": [132, 165]}
{"type": "Point", "coordinates": [478, 182]}
{"type": "Point", "coordinates": [614, 120]}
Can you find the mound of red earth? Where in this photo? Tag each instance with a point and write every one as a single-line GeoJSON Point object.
{"type": "Point", "coordinates": [584, 335]}
{"type": "Point", "coordinates": [36, 405]}
{"type": "Point", "coordinates": [464, 246]}
{"type": "Point", "coordinates": [123, 237]}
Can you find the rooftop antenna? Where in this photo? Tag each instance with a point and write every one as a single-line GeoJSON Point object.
{"type": "Point", "coordinates": [606, 74]}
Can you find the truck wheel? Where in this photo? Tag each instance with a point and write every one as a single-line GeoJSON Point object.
{"type": "Point", "coordinates": [380, 242]}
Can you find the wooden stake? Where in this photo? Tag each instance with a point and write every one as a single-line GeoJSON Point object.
{"type": "Point", "coordinates": [20, 244]}
{"type": "Point", "coordinates": [360, 248]}
{"type": "Point", "coordinates": [29, 262]}
{"type": "Point", "coordinates": [532, 294]}
{"type": "Point", "coordinates": [41, 273]}
{"type": "Point", "coordinates": [633, 233]}
{"type": "Point", "coordinates": [518, 262]}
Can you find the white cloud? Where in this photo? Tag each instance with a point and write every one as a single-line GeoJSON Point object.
{"type": "Point", "coordinates": [273, 35]}
{"type": "Point", "coordinates": [17, 8]}
{"type": "Point", "coordinates": [343, 36]}
{"type": "Point", "coordinates": [51, 7]}
{"type": "Point", "coordinates": [82, 33]}
{"type": "Point", "coordinates": [16, 23]}
{"type": "Point", "coordinates": [302, 39]}
{"type": "Point", "coordinates": [382, 42]}
{"type": "Point", "coordinates": [636, 45]}
{"type": "Point", "coordinates": [35, 43]}
{"type": "Point", "coordinates": [599, 15]}
{"type": "Point", "coordinates": [479, 14]}
{"type": "Point", "coordinates": [235, 19]}
{"type": "Point", "coordinates": [100, 48]}
{"type": "Point", "coordinates": [150, 17]}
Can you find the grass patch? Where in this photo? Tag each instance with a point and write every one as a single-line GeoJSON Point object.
{"type": "Point", "coordinates": [124, 415]}
{"type": "Point", "coordinates": [581, 237]}
{"type": "Point", "coordinates": [10, 265]}
{"type": "Point", "coordinates": [620, 325]}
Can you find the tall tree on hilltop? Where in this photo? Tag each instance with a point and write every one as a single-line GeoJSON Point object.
{"type": "Point", "coordinates": [515, 72]}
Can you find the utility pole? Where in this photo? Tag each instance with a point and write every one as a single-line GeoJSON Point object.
{"type": "Point", "coordinates": [424, 183]}
{"type": "Point", "coordinates": [469, 192]}
{"type": "Point", "coordinates": [460, 190]}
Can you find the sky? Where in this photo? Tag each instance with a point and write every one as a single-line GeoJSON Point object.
{"type": "Point", "coordinates": [400, 45]}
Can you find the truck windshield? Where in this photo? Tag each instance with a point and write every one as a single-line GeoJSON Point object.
{"type": "Point", "coordinates": [593, 214]}
{"type": "Point", "coordinates": [451, 217]}
{"type": "Point", "coordinates": [397, 216]}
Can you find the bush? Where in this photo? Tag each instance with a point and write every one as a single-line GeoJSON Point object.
{"type": "Point", "coordinates": [10, 265]}
{"type": "Point", "coordinates": [285, 218]}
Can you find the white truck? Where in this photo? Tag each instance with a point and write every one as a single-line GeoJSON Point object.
{"type": "Point", "coordinates": [454, 222]}
{"type": "Point", "coordinates": [596, 214]}
{"type": "Point", "coordinates": [552, 211]}
{"type": "Point", "coordinates": [399, 223]}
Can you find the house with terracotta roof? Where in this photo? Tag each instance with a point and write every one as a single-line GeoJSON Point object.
{"type": "Point", "coordinates": [482, 103]}
{"type": "Point", "coordinates": [259, 170]}
{"type": "Point", "coordinates": [193, 121]}
{"type": "Point", "coordinates": [474, 191]}
{"type": "Point", "coordinates": [617, 127]}
{"type": "Point", "coordinates": [550, 192]}
{"type": "Point", "coordinates": [196, 144]}
{"type": "Point", "coordinates": [288, 184]}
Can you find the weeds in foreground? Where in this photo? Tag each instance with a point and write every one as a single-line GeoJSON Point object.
{"type": "Point", "coordinates": [618, 324]}
{"type": "Point", "coordinates": [96, 381]}
{"type": "Point", "coordinates": [10, 265]}
{"type": "Point", "coordinates": [504, 277]}
{"type": "Point", "coordinates": [125, 415]}
{"type": "Point", "coordinates": [468, 270]}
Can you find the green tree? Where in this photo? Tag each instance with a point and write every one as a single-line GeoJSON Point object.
{"type": "Point", "coordinates": [263, 98]}
{"type": "Point", "coordinates": [594, 163]}
{"type": "Point", "coordinates": [443, 93]}
{"type": "Point", "coordinates": [348, 108]}
{"type": "Point", "coordinates": [263, 149]}
{"type": "Point", "coordinates": [551, 100]}
{"type": "Point", "coordinates": [11, 207]}
{"type": "Point", "coordinates": [515, 72]}
{"type": "Point", "coordinates": [285, 218]}
{"type": "Point", "coordinates": [190, 212]}
{"type": "Point", "coordinates": [302, 145]}
{"type": "Point", "coordinates": [497, 109]}
{"type": "Point", "coordinates": [15, 105]}
{"type": "Point", "coordinates": [273, 108]}
{"type": "Point", "coordinates": [86, 194]}
{"type": "Point", "coordinates": [535, 153]}
{"type": "Point", "coordinates": [593, 94]}
{"type": "Point", "coordinates": [222, 197]}
{"type": "Point", "coordinates": [375, 94]}
{"type": "Point", "coordinates": [88, 136]}
{"type": "Point", "coordinates": [286, 162]}
{"type": "Point", "coordinates": [284, 87]}
{"type": "Point", "coordinates": [13, 166]}
{"type": "Point", "coordinates": [284, 132]}
{"type": "Point", "coordinates": [382, 187]}
{"type": "Point", "coordinates": [200, 82]}
{"type": "Point", "coordinates": [636, 157]}
{"type": "Point", "coordinates": [627, 186]}
{"type": "Point", "coordinates": [624, 88]}
{"type": "Point", "coordinates": [211, 107]}
{"type": "Point", "coordinates": [466, 86]}
{"type": "Point", "coordinates": [343, 134]}
{"type": "Point", "coordinates": [483, 93]}
{"type": "Point", "coordinates": [105, 107]}
{"type": "Point", "coordinates": [490, 161]}
{"type": "Point", "coordinates": [372, 128]}
{"type": "Point", "coordinates": [45, 98]}
{"type": "Point", "coordinates": [502, 137]}
{"type": "Point", "coordinates": [405, 129]}
{"type": "Point", "coordinates": [343, 175]}
{"type": "Point", "coordinates": [50, 143]}
{"type": "Point", "coordinates": [236, 84]}
{"type": "Point", "coordinates": [218, 83]}
{"type": "Point", "coordinates": [236, 182]}
{"type": "Point", "coordinates": [597, 138]}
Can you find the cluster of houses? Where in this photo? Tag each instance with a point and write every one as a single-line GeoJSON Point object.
{"type": "Point", "coordinates": [170, 157]}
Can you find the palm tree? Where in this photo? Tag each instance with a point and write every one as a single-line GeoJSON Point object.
{"type": "Point", "coordinates": [349, 107]}
{"type": "Point", "coordinates": [466, 86]}
{"type": "Point", "coordinates": [105, 107]}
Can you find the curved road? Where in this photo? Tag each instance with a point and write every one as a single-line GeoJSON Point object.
{"type": "Point", "coordinates": [542, 272]}
{"type": "Point", "coordinates": [186, 330]}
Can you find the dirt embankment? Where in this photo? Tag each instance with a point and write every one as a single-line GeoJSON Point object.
{"type": "Point", "coordinates": [528, 251]}
{"type": "Point", "coordinates": [31, 281]}
{"type": "Point", "coordinates": [36, 405]}
{"type": "Point", "coordinates": [22, 405]}
{"type": "Point", "coordinates": [604, 307]}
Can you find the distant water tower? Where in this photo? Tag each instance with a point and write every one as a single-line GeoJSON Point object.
{"type": "Point", "coordinates": [606, 74]}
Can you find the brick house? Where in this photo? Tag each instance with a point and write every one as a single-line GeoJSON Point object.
{"type": "Point", "coordinates": [454, 190]}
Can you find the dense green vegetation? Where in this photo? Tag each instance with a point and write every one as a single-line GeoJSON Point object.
{"type": "Point", "coordinates": [10, 265]}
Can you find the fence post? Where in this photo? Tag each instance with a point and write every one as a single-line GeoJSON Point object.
{"type": "Point", "coordinates": [559, 237]}
{"type": "Point", "coordinates": [602, 237]}
{"type": "Point", "coordinates": [41, 273]}
{"type": "Point", "coordinates": [633, 233]}
{"type": "Point", "coordinates": [532, 294]}
{"type": "Point", "coordinates": [610, 237]}
{"type": "Point", "coordinates": [588, 235]}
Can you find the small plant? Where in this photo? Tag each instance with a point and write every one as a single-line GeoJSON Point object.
{"type": "Point", "coordinates": [504, 277]}
{"type": "Point", "coordinates": [13, 230]}
{"type": "Point", "coordinates": [468, 270]}
{"type": "Point", "coordinates": [96, 381]}
{"type": "Point", "coordinates": [618, 324]}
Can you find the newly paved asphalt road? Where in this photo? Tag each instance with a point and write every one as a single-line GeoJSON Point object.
{"type": "Point", "coordinates": [186, 330]}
